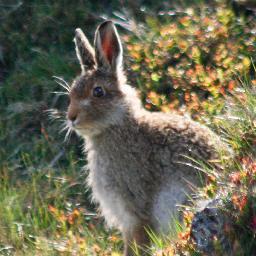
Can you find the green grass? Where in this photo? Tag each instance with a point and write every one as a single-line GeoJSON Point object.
{"type": "Point", "coordinates": [45, 207]}
{"type": "Point", "coordinates": [45, 214]}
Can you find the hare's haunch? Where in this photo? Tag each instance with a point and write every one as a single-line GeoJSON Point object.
{"type": "Point", "coordinates": [138, 171]}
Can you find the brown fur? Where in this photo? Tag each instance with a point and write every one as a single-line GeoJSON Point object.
{"type": "Point", "coordinates": [138, 238]}
{"type": "Point", "coordinates": [136, 158]}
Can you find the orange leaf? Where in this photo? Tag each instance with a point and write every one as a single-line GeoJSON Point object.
{"type": "Point", "coordinates": [235, 178]}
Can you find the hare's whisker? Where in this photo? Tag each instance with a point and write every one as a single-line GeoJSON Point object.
{"type": "Point", "coordinates": [55, 114]}
{"type": "Point", "coordinates": [60, 93]}
{"type": "Point", "coordinates": [68, 134]}
{"type": "Point", "coordinates": [62, 80]}
{"type": "Point", "coordinates": [65, 127]}
{"type": "Point", "coordinates": [62, 83]}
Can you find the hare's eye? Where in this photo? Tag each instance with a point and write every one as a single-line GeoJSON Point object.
{"type": "Point", "coordinates": [98, 92]}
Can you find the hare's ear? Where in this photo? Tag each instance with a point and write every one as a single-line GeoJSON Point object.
{"type": "Point", "coordinates": [84, 51]}
{"type": "Point", "coordinates": [108, 48]}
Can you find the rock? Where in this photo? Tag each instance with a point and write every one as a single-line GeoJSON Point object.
{"type": "Point", "coordinates": [208, 226]}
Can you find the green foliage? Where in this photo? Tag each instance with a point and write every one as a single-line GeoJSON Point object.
{"type": "Point", "coordinates": [45, 214]}
{"type": "Point", "coordinates": [191, 58]}
{"type": "Point", "coordinates": [236, 184]}
{"type": "Point", "coordinates": [44, 208]}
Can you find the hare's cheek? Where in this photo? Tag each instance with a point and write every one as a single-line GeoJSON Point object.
{"type": "Point", "coordinates": [85, 107]}
{"type": "Point", "coordinates": [86, 102]}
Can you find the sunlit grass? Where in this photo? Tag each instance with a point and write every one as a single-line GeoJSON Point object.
{"type": "Point", "coordinates": [43, 214]}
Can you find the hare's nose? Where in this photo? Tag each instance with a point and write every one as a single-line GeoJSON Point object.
{"type": "Point", "coordinates": [72, 117]}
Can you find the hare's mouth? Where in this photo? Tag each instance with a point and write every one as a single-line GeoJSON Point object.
{"type": "Point", "coordinates": [79, 129]}
{"type": "Point", "coordinates": [74, 125]}
{"type": "Point", "coordinates": [69, 127]}
{"type": "Point", "coordinates": [76, 128]}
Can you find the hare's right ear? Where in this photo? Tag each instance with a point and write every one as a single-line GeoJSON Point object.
{"type": "Point", "coordinates": [108, 48]}
{"type": "Point", "coordinates": [84, 51]}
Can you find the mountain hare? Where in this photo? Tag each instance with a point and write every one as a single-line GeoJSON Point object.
{"type": "Point", "coordinates": [135, 157]}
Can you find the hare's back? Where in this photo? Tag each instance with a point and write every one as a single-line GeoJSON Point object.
{"type": "Point", "coordinates": [181, 135]}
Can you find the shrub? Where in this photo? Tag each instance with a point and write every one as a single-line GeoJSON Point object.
{"type": "Point", "coordinates": [191, 58]}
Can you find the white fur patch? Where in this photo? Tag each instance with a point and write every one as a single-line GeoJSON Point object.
{"type": "Point", "coordinates": [86, 102]}
{"type": "Point", "coordinates": [165, 205]}
{"type": "Point", "coordinates": [112, 206]}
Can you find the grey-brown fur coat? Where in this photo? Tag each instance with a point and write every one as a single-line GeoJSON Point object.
{"type": "Point", "coordinates": [136, 158]}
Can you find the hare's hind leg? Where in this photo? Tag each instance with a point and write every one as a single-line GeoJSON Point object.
{"type": "Point", "coordinates": [136, 240]}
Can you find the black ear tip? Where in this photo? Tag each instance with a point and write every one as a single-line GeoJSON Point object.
{"type": "Point", "coordinates": [105, 24]}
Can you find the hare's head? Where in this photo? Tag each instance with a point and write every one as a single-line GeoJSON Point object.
{"type": "Point", "coordinates": [96, 97]}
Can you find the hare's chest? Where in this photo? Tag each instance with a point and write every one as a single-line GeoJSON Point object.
{"type": "Point", "coordinates": [105, 191]}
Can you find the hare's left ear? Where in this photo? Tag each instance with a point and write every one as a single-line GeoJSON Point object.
{"type": "Point", "coordinates": [84, 51]}
{"type": "Point", "coordinates": [108, 48]}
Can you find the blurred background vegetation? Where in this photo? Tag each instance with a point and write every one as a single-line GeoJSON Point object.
{"type": "Point", "coordinates": [181, 55]}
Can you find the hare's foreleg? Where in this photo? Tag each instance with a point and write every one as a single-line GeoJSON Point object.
{"type": "Point", "coordinates": [136, 240]}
